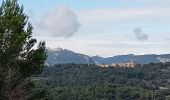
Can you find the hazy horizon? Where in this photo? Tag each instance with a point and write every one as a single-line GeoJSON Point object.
{"type": "Point", "coordinates": [101, 27]}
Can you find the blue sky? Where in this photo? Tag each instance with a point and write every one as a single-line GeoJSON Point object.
{"type": "Point", "coordinates": [102, 27]}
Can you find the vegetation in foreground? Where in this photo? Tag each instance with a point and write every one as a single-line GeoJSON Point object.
{"type": "Point", "coordinates": [90, 82]}
{"type": "Point", "coordinates": [18, 59]}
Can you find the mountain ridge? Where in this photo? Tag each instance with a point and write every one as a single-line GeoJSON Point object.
{"type": "Point", "coordinates": [63, 56]}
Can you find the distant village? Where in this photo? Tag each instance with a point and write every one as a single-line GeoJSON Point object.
{"type": "Point", "coordinates": [129, 64]}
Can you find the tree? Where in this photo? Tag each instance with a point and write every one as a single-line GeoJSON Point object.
{"type": "Point", "coordinates": [19, 59]}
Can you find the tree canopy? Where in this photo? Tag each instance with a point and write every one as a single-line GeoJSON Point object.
{"type": "Point", "coordinates": [19, 58]}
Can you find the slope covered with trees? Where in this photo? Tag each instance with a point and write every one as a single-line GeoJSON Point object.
{"type": "Point", "coordinates": [90, 82]}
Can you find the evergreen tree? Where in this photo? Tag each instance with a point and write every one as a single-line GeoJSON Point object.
{"type": "Point", "coordinates": [18, 57]}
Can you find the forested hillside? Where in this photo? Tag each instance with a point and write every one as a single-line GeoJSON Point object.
{"type": "Point", "coordinates": [90, 82]}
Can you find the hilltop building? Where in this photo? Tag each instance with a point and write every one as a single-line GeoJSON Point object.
{"type": "Point", "coordinates": [131, 63]}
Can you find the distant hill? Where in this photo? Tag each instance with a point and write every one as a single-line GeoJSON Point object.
{"type": "Point", "coordinates": [63, 56]}
{"type": "Point", "coordinates": [140, 59]}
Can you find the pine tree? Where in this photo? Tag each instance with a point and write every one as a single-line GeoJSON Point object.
{"type": "Point", "coordinates": [19, 59]}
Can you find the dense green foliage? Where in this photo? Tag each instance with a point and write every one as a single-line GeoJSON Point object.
{"type": "Point", "coordinates": [93, 92]}
{"type": "Point", "coordinates": [90, 82]}
{"type": "Point", "coordinates": [18, 59]}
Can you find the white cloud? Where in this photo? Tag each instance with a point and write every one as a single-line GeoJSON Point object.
{"type": "Point", "coordinates": [61, 22]}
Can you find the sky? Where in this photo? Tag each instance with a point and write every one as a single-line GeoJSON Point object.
{"type": "Point", "coordinates": [102, 27]}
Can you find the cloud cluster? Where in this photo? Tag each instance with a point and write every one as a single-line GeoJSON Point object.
{"type": "Point", "coordinates": [140, 35]}
{"type": "Point", "coordinates": [61, 22]}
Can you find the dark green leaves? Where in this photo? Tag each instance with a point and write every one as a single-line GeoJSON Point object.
{"type": "Point", "coordinates": [18, 59]}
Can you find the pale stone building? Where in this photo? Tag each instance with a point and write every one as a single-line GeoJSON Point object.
{"type": "Point", "coordinates": [131, 63]}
